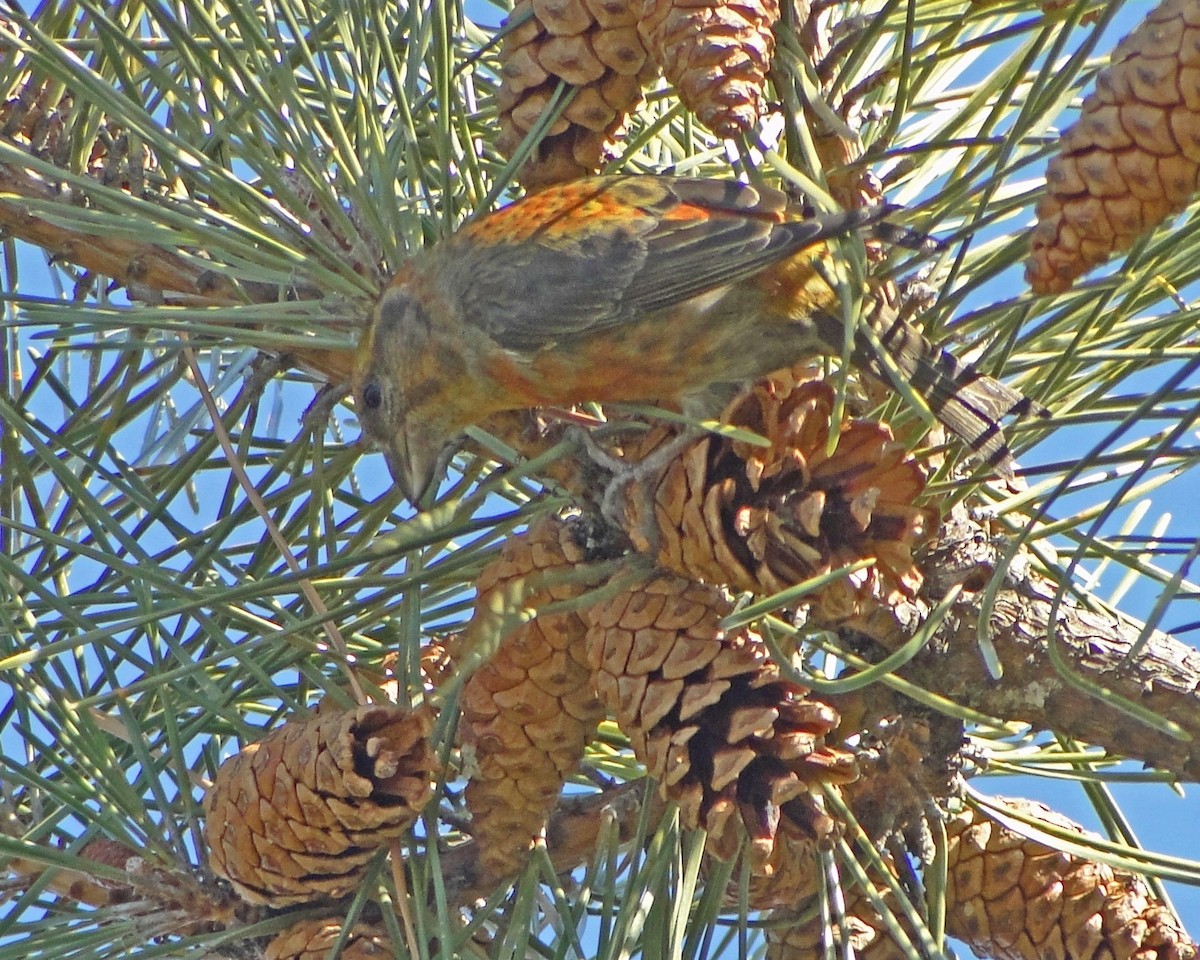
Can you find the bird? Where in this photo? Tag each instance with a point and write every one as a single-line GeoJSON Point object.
{"type": "Point", "coordinates": [630, 288]}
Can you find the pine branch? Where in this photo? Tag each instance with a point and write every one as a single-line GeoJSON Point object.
{"type": "Point", "coordinates": [1111, 682]}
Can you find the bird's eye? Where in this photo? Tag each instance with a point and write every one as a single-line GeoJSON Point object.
{"type": "Point", "coordinates": [372, 396]}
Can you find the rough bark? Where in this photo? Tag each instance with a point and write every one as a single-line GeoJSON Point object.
{"type": "Point", "coordinates": [1163, 677]}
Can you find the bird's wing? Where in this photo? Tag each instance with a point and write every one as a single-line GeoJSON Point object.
{"type": "Point", "coordinates": [710, 233]}
{"type": "Point", "coordinates": [597, 253]}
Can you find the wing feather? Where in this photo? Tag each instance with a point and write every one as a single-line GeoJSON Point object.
{"type": "Point", "coordinates": [653, 242]}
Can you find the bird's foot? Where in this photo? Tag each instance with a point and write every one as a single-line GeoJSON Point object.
{"type": "Point", "coordinates": [636, 479]}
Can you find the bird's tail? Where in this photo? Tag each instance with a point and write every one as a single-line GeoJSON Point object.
{"type": "Point", "coordinates": [968, 403]}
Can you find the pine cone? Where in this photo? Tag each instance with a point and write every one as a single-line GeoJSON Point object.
{"type": "Point", "coordinates": [33, 107]}
{"type": "Point", "coordinates": [789, 939]}
{"type": "Point", "coordinates": [716, 53]}
{"type": "Point", "coordinates": [763, 519]}
{"type": "Point", "coordinates": [38, 115]}
{"type": "Point", "coordinates": [29, 119]}
{"type": "Point", "coordinates": [592, 45]}
{"type": "Point", "coordinates": [789, 875]}
{"type": "Point", "coordinates": [709, 716]}
{"type": "Point", "coordinates": [299, 815]}
{"type": "Point", "coordinates": [311, 939]}
{"type": "Point", "coordinates": [1132, 158]}
{"type": "Point", "coordinates": [531, 709]}
{"type": "Point", "coordinates": [1013, 898]}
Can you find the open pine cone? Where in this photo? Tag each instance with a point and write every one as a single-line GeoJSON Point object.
{"type": "Point", "coordinates": [763, 519]}
{"type": "Point", "coordinates": [299, 815]}
{"type": "Point", "coordinates": [710, 717]}
{"type": "Point", "coordinates": [36, 114]}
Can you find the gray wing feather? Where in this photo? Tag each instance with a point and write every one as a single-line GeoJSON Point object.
{"type": "Point", "coordinates": [531, 295]}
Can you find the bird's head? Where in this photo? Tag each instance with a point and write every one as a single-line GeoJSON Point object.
{"type": "Point", "coordinates": [403, 396]}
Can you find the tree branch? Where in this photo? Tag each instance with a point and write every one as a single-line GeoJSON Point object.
{"type": "Point", "coordinates": [147, 267]}
{"type": "Point", "coordinates": [1163, 678]}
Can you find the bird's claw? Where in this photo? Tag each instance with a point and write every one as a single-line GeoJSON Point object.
{"type": "Point", "coordinates": [636, 478]}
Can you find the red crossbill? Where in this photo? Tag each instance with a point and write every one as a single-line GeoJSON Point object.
{"type": "Point", "coordinates": [627, 288]}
